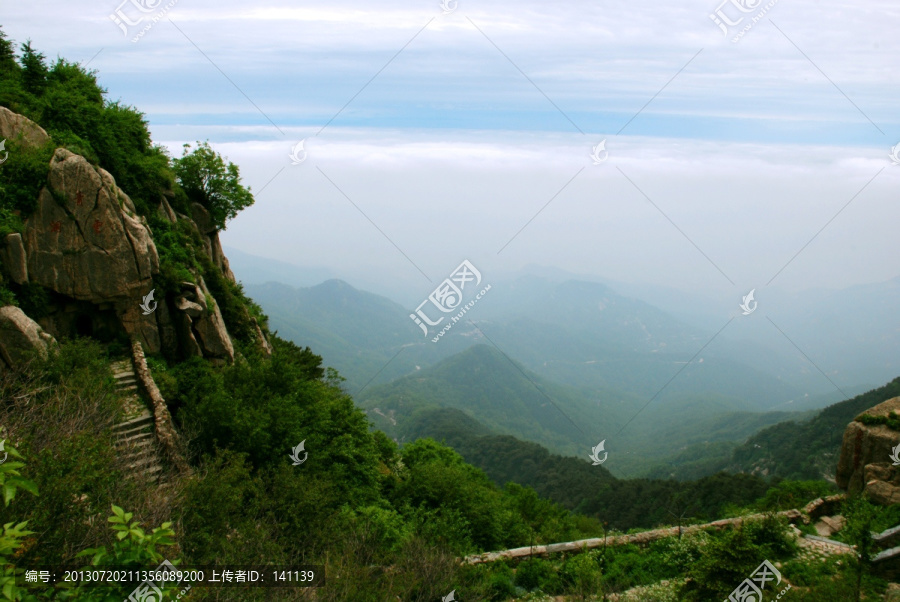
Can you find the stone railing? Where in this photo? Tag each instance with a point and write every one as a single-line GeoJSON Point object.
{"type": "Point", "coordinates": [642, 538]}
{"type": "Point", "coordinates": [165, 430]}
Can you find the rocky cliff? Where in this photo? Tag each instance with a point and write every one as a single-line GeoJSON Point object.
{"type": "Point", "coordinates": [95, 258]}
{"type": "Point", "coordinates": [865, 462]}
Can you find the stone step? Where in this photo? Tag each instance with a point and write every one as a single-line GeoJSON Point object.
{"type": "Point", "coordinates": [143, 461]}
{"type": "Point", "coordinates": [152, 472]}
{"type": "Point", "coordinates": [145, 417]}
{"type": "Point", "coordinates": [139, 463]}
{"type": "Point", "coordinates": [127, 429]}
{"type": "Point", "coordinates": [138, 431]}
{"type": "Point", "coordinates": [137, 444]}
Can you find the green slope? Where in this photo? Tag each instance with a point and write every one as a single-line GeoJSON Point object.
{"type": "Point", "coordinates": [807, 450]}
{"type": "Point", "coordinates": [578, 485]}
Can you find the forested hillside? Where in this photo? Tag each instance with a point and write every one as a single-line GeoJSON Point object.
{"type": "Point", "coordinates": [575, 484]}
{"type": "Point", "coordinates": [806, 450]}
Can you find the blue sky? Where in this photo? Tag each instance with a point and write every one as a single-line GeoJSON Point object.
{"type": "Point", "coordinates": [734, 156]}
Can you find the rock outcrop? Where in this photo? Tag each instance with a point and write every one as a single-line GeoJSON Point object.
{"type": "Point", "coordinates": [81, 241]}
{"type": "Point", "coordinates": [21, 338]}
{"type": "Point", "coordinates": [86, 244]}
{"type": "Point", "coordinates": [865, 462]}
{"type": "Point", "coordinates": [13, 257]}
{"type": "Point", "coordinates": [18, 127]}
{"type": "Point", "coordinates": [202, 328]}
{"type": "Point", "coordinates": [207, 228]}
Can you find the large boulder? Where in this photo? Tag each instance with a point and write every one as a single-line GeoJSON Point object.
{"type": "Point", "coordinates": [81, 242]}
{"type": "Point", "coordinates": [865, 462]}
{"type": "Point", "coordinates": [84, 241]}
{"type": "Point", "coordinates": [18, 127]}
{"type": "Point", "coordinates": [21, 337]}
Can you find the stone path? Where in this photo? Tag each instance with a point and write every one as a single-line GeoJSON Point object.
{"type": "Point", "coordinates": [136, 436]}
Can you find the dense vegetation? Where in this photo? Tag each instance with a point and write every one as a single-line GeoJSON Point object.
{"type": "Point", "coordinates": [384, 521]}
{"type": "Point", "coordinates": [808, 450]}
{"type": "Point", "coordinates": [576, 485]}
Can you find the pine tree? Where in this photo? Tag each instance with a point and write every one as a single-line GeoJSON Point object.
{"type": "Point", "coordinates": [34, 69]}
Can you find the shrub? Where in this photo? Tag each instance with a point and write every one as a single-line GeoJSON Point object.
{"type": "Point", "coordinates": [793, 494]}
{"type": "Point", "coordinates": [582, 573]}
{"type": "Point", "coordinates": [537, 573]}
{"type": "Point", "coordinates": [724, 563]}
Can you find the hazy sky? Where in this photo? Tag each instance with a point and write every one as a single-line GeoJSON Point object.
{"type": "Point", "coordinates": [468, 135]}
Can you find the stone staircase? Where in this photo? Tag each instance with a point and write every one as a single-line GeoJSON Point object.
{"type": "Point", "coordinates": [136, 433]}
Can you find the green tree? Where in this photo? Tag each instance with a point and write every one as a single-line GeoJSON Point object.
{"type": "Point", "coordinates": [207, 179]}
{"type": "Point", "coordinates": [34, 74]}
{"type": "Point", "coordinates": [7, 53]}
{"type": "Point", "coordinates": [861, 516]}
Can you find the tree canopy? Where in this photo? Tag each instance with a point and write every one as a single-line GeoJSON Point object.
{"type": "Point", "coordinates": [209, 180]}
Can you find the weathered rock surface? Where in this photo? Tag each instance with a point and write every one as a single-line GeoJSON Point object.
{"type": "Point", "coordinates": [829, 525]}
{"type": "Point", "coordinates": [261, 341]}
{"type": "Point", "coordinates": [210, 328]}
{"type": "Point", "coordinates": [200, 324]}
{"type": "Point", "coordinates": [21, 337]}
{"type": "Point", "coordinates": [12, 256]}
{"type": "Point", "coordinates": [81, 243]}
{"type": "Point", "coordinates": [865, 461]}
{"type": "Point", "coordinates": [202, 219]}
{"type": "Point", "coordinates": [166, 212]}
{"type": "Point", "coordinates": [13, 125]}
{"type": "Point", "coordinates": [194, 310]}
{"type": "Point", "coordinates": [84, 242]}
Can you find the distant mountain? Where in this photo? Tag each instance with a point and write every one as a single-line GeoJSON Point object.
{"type": "Point", "coordinates": [506, 398]}
{"type": "Point", "coordinates": [852, 334]}
{"type": "Point", "coordinates": [501, 395]}
{"type": "Point", "coordinates": [611, 352]}
{"type": "Point", "coordinates": [585, 334]}
{"type": "Point", "coordinates": [251, 269]}
{"type": "Point", "coordinates": [580, 333]}
{"type": "Point", "coordinates": [354, 331]}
